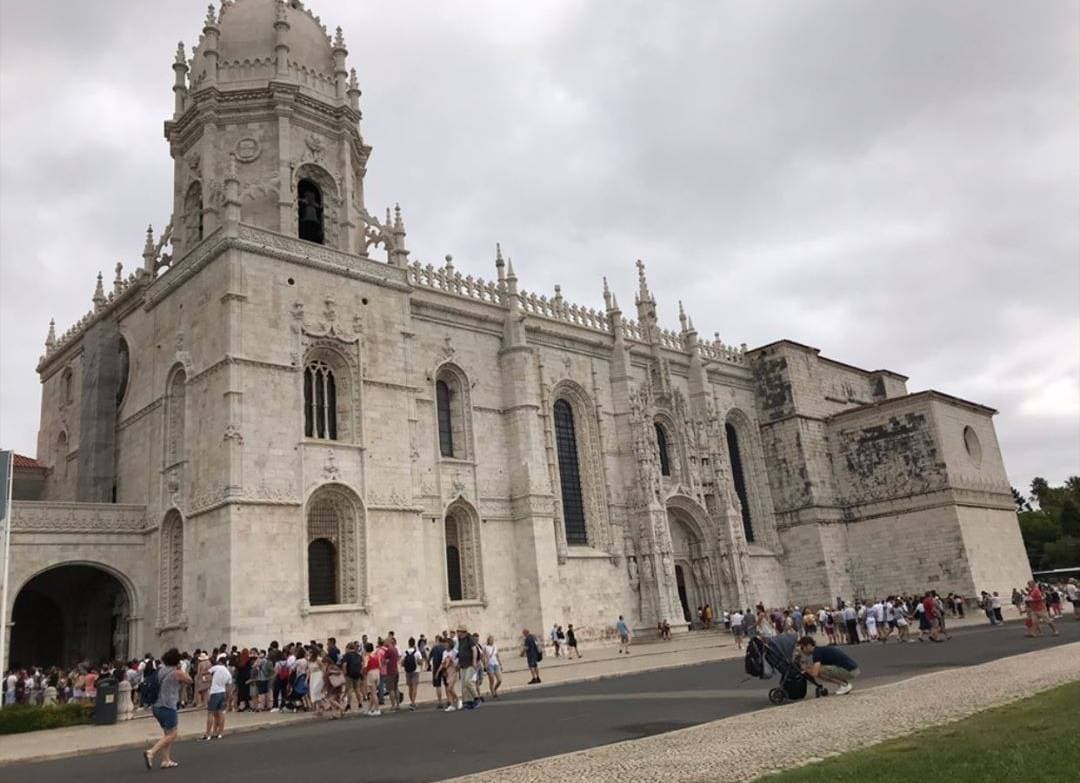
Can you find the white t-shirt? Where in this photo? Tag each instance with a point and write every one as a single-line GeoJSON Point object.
{"type": "Point", "coordinates": [219, 678]}
{"type": "Point", "coordinates": [736, 620]}
{"type": "Point", "coordinates": [492, 653]}
{"type": "Point", "coordinates": [822, 616]}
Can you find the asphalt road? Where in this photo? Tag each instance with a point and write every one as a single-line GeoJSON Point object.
{"type": "Point", "coordinates": [429, 745]}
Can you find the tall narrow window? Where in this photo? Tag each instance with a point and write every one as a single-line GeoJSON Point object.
{"type": "Point", "coordinates": [738, 477]}
{"type": "Point", "coordinates": [320, 401]}
{"type": "Point", "coordinates": [175, 418]}
{"type": "Point", "coordinates": [324, 533]}
{"type": "Point", "coordinates": [662, 445]}
{"type": "Point", "coordinates": [171, 570]}
{"type": "Point", "coordinates": [310, 211]}
{"type": "Point", "coordinates": [453, 572]}
{"type": "Point", "coordinates": [193, 214]}
{"type": "Point", "coordinates": [445, 414]}
{"type": "Point", "coordinates": [322, 572]}
{"type": "Point", "coordinates": [569, 474]}
{"type": "Point", "coordinates": [60, 462]}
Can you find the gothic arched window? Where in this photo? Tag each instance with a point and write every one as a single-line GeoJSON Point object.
{"type": "Point", "coordinates": [445, 413]}
{"type": "Point", "coordinates": [320, 401]}
{"type": "Point", "coordinates": [738, 477]}
{"type": "Point", "coordinates": [60, 469]}
{"type": "Point", "coordinates": [193, 214]}
{"type": "Point", "coordinates": [309, 201]}
{"type": "Point", "coordinates": [123, 367]}
{"type": "Point", "coordinates": [462, 553]}
{"type": "Point", "coordinates": [171, 588]}
{"type": "Point", "coordinates": [335, 545]}
{"type": "Point", "coordinates": [175, 417]}
{"type": "Point", "coordinates": [662, 445]}
{"type": "Point", "coordinates": [566, 446]}
{"type": "Point", "coordinates": [66, 383]}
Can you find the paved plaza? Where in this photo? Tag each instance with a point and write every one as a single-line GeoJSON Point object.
{"type": "Point", "coordinates": [669, 715]}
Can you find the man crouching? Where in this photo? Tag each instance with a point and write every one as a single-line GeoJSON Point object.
{"type": "Point", "coordinates": [828, 664]}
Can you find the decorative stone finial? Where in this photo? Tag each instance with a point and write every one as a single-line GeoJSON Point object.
{"type": "Point", "coordinates": [339, 39]}
{"type": "Point", "coordinates": [118, 281]}
{"type": "Point", "coordinates": [211, 16]}
{"type": "Point", "coordinates": [353, 83]}
{"type": "Point", "coordinates": [449, 263]}
{"type": "Point", "coordinates": [148, 245]}
{"type": "Point", "coordinates": [510, 269]}
{"type": "Point", "coordinates": [281, 11]}
{"type": "Point", "coordinates": [643, 286]}
{"type": "Point", "coordinates": [50, 339]}
{"type": "Point", "coordinates": [99, 293]}
{"type": "Point", "coordinates": [181, 57]}
{"type": "Point", "coordinates": [498, 256]}
{"type": "Point", "coordinates": [558, 293]}
{"type": "Point", "coordinates": [682, 316]}
{"type": "Point", "coordinates": [399, 224]}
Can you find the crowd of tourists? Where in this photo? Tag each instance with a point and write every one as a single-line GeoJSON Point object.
{"type": "Point", "coordinates": [903, 617]}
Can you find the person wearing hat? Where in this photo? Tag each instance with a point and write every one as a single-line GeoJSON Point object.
{"type": "Point", "coordinates": [202, 678]}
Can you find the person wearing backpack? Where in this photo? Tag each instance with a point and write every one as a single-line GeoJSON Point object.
{"type": "Point", "coordinates": [533, 655]}
{"type": "Point", "coordinates": [411, 662]}
{"type": "Point", "coordinates": [352, 664]}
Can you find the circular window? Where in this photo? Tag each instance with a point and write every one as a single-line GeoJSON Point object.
{"type": "Point", "coordinates": [972, 445]}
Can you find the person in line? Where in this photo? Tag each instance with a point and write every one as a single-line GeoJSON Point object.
{"type": "Point", "coordinates": [829, 664]}
{"type": "Point", "coordinates": [532, 653]}
{"type": "Point", "coordinates": [412, 661]}
{"type": "Point", "coordinates": [391, 658]}
{"type": "Point", "coordinates": [927, 612]}
{"type": "Point", "coordinates": [554, 636]}
{"type": "Point", "coordinates": [1072, 590]}
{"type": "Point", "coordinates": [467, 661]}
{"type": "Point", "coordinates": [450, 673]}
{"type": "Point", "coordinates": [438, 679]}
{"type": "Point", "coordinates": [371, 679]}
{"type": "Point", "coordinates": [624, 635]}
{"type": "Point", "coordinates": [851, 623]}
{"type": "Point", "coordinates": [170, 678]}
{"type": "Point", "coordinates": [220, 679]}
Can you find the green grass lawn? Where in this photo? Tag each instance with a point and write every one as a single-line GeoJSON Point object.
{"type": "Point", "coordinates": [1036, 739]}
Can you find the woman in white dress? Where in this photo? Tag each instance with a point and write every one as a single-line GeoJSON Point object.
{"type": "Point", "coordinates": [315, 679]}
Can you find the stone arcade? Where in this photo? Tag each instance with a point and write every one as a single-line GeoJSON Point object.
{"type": "Point", "coordinates": [267, 432]}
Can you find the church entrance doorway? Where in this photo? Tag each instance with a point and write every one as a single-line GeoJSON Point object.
{"type": "Point", "coordinates": [69, 614]}
{"type": "Point", "coordinates": [680, 583]}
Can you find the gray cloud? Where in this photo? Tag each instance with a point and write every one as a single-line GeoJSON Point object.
{"type": "Point", "coordinates": [898, 184]}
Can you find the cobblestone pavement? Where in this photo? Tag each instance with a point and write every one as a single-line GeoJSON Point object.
{"type": "Point", "coordinates": [780, 736]}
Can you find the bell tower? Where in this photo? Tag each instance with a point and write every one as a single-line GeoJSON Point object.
{"type": "Point", "coordinates": [266, 94]}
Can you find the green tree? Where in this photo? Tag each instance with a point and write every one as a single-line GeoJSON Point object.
{"type": "Point", "coordinates": [1038, 528]}
{"type": "Point", "coordinates": [1063, 553]}
{"type": "Point", "coordinates": [1070, 519]}
{"type": "Point", "coordinates": [1021, 502]}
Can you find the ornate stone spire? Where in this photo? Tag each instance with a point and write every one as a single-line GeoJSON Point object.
{"type": "Point", "coordinates": [682, 316]}
{"type": "Point", "coordinates": [607, 295]}
{"type": "Point", "coordinates": [354, 90]}
{"type": "Point", "coordinates": [281, 40]}
{"type": "Point", "coordinates": [341, 74]}
{"type": "Point", "coordinates": [118, 281]}
{"type": "Point", "coordinates": [149, 253]}
{"type": "Point", "coordinates": [99, 293]}
{"type": "Point", "coordinates": [180, 70]}
{"type": "Point", "coordinates": [643, 295]}
{"type": "Point", "coordinates": [50, 339]}
{"type": "Point", "coordinates": [646, 304]}
{"type": "Point", "coordinates": [399, 255]}
{"type": "Point", "coordinates": [500, 265]}
{"type": "Point", "coordinates": [209, 47]}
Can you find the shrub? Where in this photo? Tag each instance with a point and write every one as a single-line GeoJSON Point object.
{"type": "Point", "coordinates": [23, 717]}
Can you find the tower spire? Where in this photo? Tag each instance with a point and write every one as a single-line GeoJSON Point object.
{"type": "Point", "coordinates": [50, 339]}
{"type": "Point", "coordinates": [180, 70]}
{"type": "Point", "coordinates": [99, 293]}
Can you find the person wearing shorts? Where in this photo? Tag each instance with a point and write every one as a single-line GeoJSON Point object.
{"type": "Point", "coordinates": [829, 663]}
{"type": "Point", "coordinates": [220, 679]}
{"type": "Point", "coordinates": [371, 679]}
{"type": "Point", "coordinates": [170, 679]}
{"type": "Point", "coordinates": [1037, 613]}
{"type": "Point", "coordinates": [438, 678]}
{"type": "Point", "coordinates": [624, 635]}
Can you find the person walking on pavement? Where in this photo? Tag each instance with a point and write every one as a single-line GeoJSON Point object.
{"type": "Point", "coordinates": [571, 641]}
{"type": "Point", "coordinates": [530, 649]}
{"type": "Point", "coordinates": [220, 679]}
{"type": "Point", "coordinates": [166, 702]}
{"type": "Point", "coordinates": [624, 635]}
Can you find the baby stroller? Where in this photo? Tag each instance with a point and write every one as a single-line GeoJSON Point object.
{"type": "Point", "coordinates": [764, 657]}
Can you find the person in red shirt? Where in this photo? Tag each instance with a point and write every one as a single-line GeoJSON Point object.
{"type": "Point", "coordinates": [1036, 603]}
{"type": "Point", "coordinates": [372, 663]}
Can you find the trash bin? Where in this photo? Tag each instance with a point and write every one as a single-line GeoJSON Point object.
{"type": "Point", "coordinates": [105, 704]}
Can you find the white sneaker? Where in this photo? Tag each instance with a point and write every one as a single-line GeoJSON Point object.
{"type": "Point", "coordinates": [450, 708]}
{"type": "Point", "coordinates": [274, 709]}
{"type": "Point", "coordinates": [459, 704]}
{"type": "Point", "coordinates": [378, 713]}
{"type": "Point", "coordinates": [845, 688]}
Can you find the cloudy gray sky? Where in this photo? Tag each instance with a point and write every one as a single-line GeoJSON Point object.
{"type": "Point", "coordinates": [897, 184]}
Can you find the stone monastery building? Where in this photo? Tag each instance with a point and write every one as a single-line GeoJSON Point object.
{"type": "Point", "coordinates": [280, 427]}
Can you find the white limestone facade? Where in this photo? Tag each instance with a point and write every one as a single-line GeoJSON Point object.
{"type": "Point", "coordinates": [280, 427]}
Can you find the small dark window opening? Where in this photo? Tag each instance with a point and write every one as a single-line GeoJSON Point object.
{"type": "Point", "coordinates": [310, 211]}
{"type": "Point", "coordinates": [453, 572]}
{"type": "Point", "coordinates": [123, 368]}
{"type": "Point", "coordinates": [444, 412]}
{"type": "Point", "coordinates": [661, 443]}
{"type": "Point", "coordinates": [739, 479]}
{"type": "Point", "coordinates": [322, 572]}
{"type": "Point", "coordinates": [569, 474]}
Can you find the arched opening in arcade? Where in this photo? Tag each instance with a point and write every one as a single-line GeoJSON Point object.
{"type": "Point", "coordinates": [69, 614]}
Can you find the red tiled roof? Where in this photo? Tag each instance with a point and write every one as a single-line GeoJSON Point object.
{"type": "Point", "coordinates": [28, 463]}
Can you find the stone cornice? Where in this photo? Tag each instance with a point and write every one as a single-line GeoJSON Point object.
{"type": "Point", "coordinates": [37, 516]}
